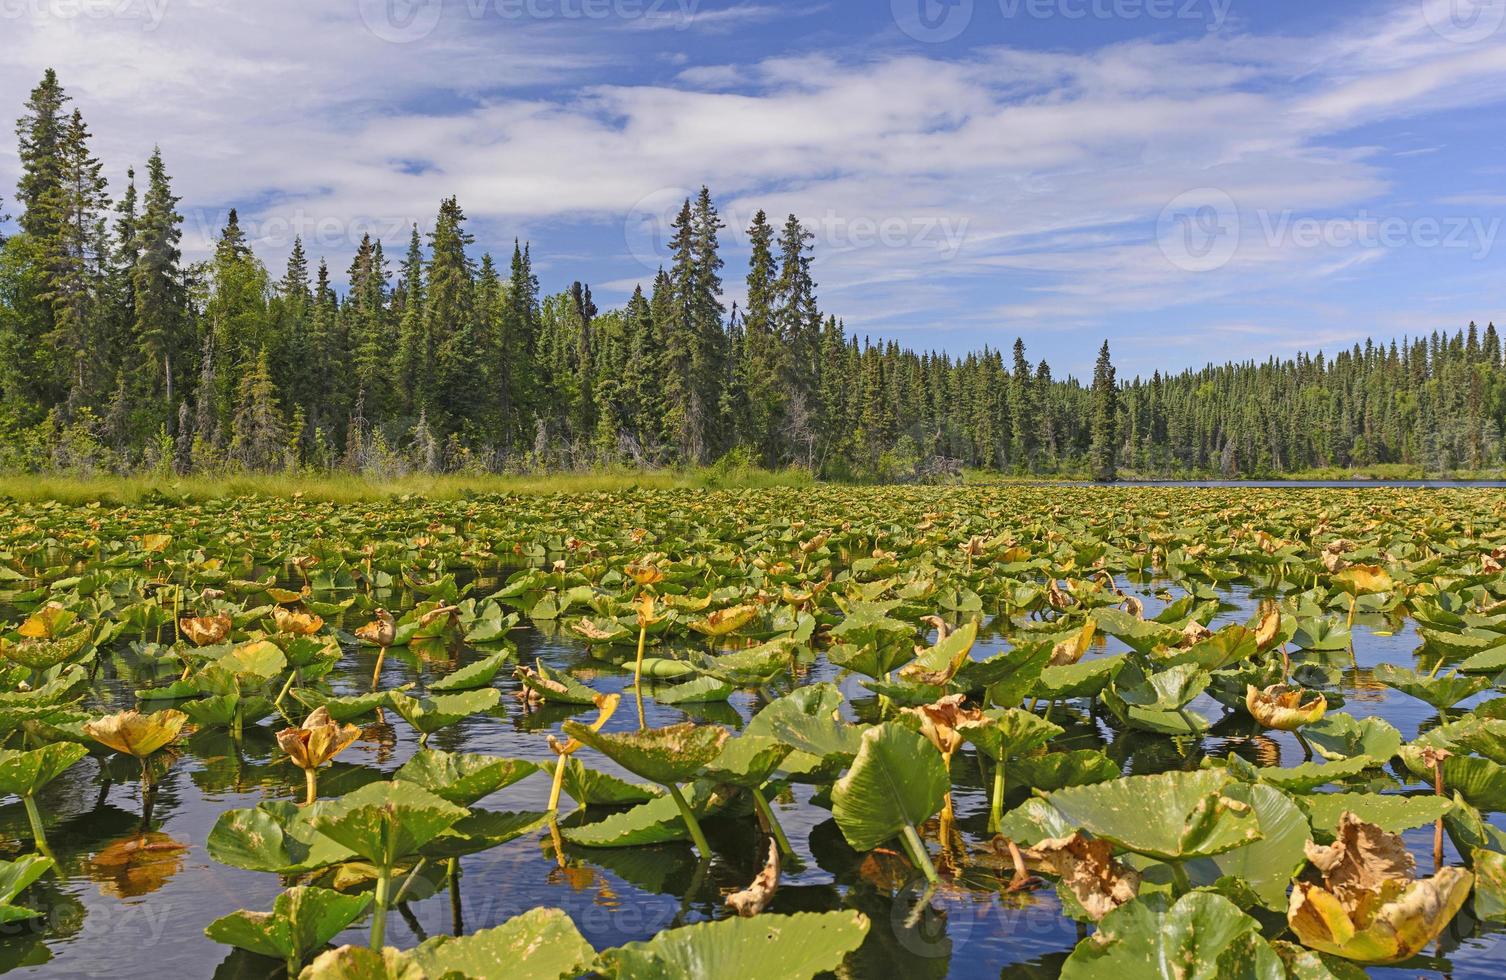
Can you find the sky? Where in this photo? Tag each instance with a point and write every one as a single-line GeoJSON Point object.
{"type": "Point", "coordinates": [1193, 180]}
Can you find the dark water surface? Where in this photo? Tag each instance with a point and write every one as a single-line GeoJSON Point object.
{"type": "Point", "coordinates": [105, 919]}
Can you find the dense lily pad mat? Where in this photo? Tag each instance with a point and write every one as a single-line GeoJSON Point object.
{"type": "Point", "coordinates": [856, 708]}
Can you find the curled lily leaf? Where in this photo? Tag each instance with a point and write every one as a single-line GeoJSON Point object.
{"type": "Point", "coordinates": [297, 623]}
{"type": "Point", "coordinates": [205, 631]}
{"type": "Point", "coordinates": [757, 896]}
{"type": "Point", "coordinates": [1368, 907]}
{"type": "Point", "coordinates": [381, 631]}
{"type": "Point", "coordinates": [644, 573]}
{"type": "Point", "coordinates": [1075, 647]}
{"type": "Point", "coordinates": [725, 621]}
{"type": "Point", "coordinates": [47, 623]}
{"type": "Point", "coordinates": [318, 740]}
{"type": "Point", "coordinates": [136, 734]}
{"type": "Point", "coordinates": [1087, 867]}
{"type": "Point", "coordinates": [940, 722]}
{"type": "Point", "coordinates": [645, 610]}
{"type": "Point", "coordinates": [1282, 708]}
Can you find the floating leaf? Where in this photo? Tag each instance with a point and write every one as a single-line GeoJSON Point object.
{"type": "Point", "coordinates": [789, 947]}
{"type": "Point", "coordinates": [897, 780]}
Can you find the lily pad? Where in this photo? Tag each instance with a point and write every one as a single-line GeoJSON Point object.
{"type": "Point", "coordinates": [302, 921]}
{"type": "Point", "coordinates": [462, 778]}
{"type": "Point", "coordinates": [897, 780]}
{"type": "Point", "coordinates": [474, 675]}
{"type": "Point", "coordinates": [1196, 817]}
{"type": "Point", "coordinates": [1201, 937]}
{"type": "Point", "coordinates": [664, 755]}
{"type": "Point", "coordinates": [540, 944]}
{"type": "Point", "coordinates": [790, 947]}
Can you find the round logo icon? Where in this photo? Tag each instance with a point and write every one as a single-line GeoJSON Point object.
{"type": "Point", "coordinates": [650, 225]}
{"type": "Point", "coordinates": [1465, 21]}
{"type": "Point", "coordinates": [932, 21]}
{"type": "Point", "coordinates": [926, 924]}
{"type": "Point", "coordinates": [1199, 230]}
{"type": "Point", "coordinates": [401, 21]}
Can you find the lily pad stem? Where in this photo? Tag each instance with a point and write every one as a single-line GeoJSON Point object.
{"type": "Point", "coordinates": [311, 784]}
{"type": "Point", "coordinates": [916, 848]}
{"type": "Point", "coordinates": [284, 692]}
{"type": "Point", "coordinates": [996, 802]}
{"type": "Point", "coordinates": [691, 823]}
{"type": "Point", "coordinates": [772, 822]}
{"type": "Point", "coordinates": [408, 881]}
{"type": "Point", "coordinates": [1181, 884]}
{"type": "Point", "coordinates": [38, 834]}
{"type": "Point", "coordinates": [379, 914]}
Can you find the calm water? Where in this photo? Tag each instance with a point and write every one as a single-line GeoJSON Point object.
{"type": "Point", "coordinates": [105, 919]}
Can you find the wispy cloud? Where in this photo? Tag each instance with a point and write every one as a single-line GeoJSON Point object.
{"type": "Point", "coordinates": [987, 186]}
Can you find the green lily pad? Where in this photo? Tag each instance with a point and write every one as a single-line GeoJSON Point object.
{"type": "Point", "coordinates": [540, 944]}
{"type": "Point", "coordinates": [1006, 732]}
{"type": "Point", "coordinates": [1268, 865]}
{"type": "Point", "coordinates": [474, 675]}
{"type": "Point", "coordinates": [1440, 692]}
{"type": "Point", "coordinates": [462, 778]}
{"type": "Point", "coordinates": [1050, 771]}
{"type": "Point", "coordinates": [430, 714]}
{"type": "Point", "coordinates": [656, 822]}
{"type": "Point", "coordinates": [1084, 679]}
{"type": "Point", "coordinates": [589, 787]}
{"type": "Point", "coordinates": [1342, 736]}
{"type": "Point", "coordinates": [1311, 775]}
{"type": "Point", "coordinates": [482, 830]}
{"type": "Point", "coordinates": [748, 761]}
{"type": "Point", "coordinates": [277, 837]}
{"type": "Point", "coordinates": [789, 947]}
{"type": "Point", "coordinates": [1195, 815]}
{"type": "Point", "coordinates": [15, 877]}
{"type": "Point", "coordinates": [1480, 781]}
{"type": "Point", "coordinates": [24, 773]}
{"type": "Point", "coordinates": [897, 780]}
{"type": "Point", "coordinates": [302, 921]}
{"type": "Point", "coordinates": [1490, 885]}
{"type": "Point", "coordinates": [664, 755]}
{"type": "Point", "coordinates": [385, 821]}
{"type": "Point", "coordinates": [1387, 811]}
{"type": "Point", "coordinates": [701, 690]}
{"type": "Point", "coordinates": [1202, 937]}
{"type": "Point", "coordinates": [347, 709]}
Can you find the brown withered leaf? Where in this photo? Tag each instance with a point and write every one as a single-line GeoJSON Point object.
{"type": "Point", "coordinates": [1362, 863]}
{"type": "Point", "coordinates": [757, 896]}
{"type": "Point", "coordinates": [939, 721]}
{"type": "Point", "coordinates": [1087, 867]}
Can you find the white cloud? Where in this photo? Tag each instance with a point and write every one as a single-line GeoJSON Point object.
{"type": "Point", "coordinates": [1038, 173]}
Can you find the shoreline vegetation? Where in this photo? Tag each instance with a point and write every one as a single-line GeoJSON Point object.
{"type": "Point", "coordinates": [337, 487]}
{"type": "Point", "coordinates": [119, 354]}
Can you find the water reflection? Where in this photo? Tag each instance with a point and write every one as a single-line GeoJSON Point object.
{"type": "Point", "coordinates": [133, 899]}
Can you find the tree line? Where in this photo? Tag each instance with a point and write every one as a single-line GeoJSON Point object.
{"type": "Point", "coordinates": [117, 354]}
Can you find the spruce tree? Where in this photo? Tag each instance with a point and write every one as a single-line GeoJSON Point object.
{"type": "Point", "coordinates": [160, 294]}
{"type": "Point", "coordinates": [1105, 425]}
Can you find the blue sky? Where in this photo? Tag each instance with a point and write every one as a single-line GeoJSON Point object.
{"type": "Point", "coordinates": [1195, 180]}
